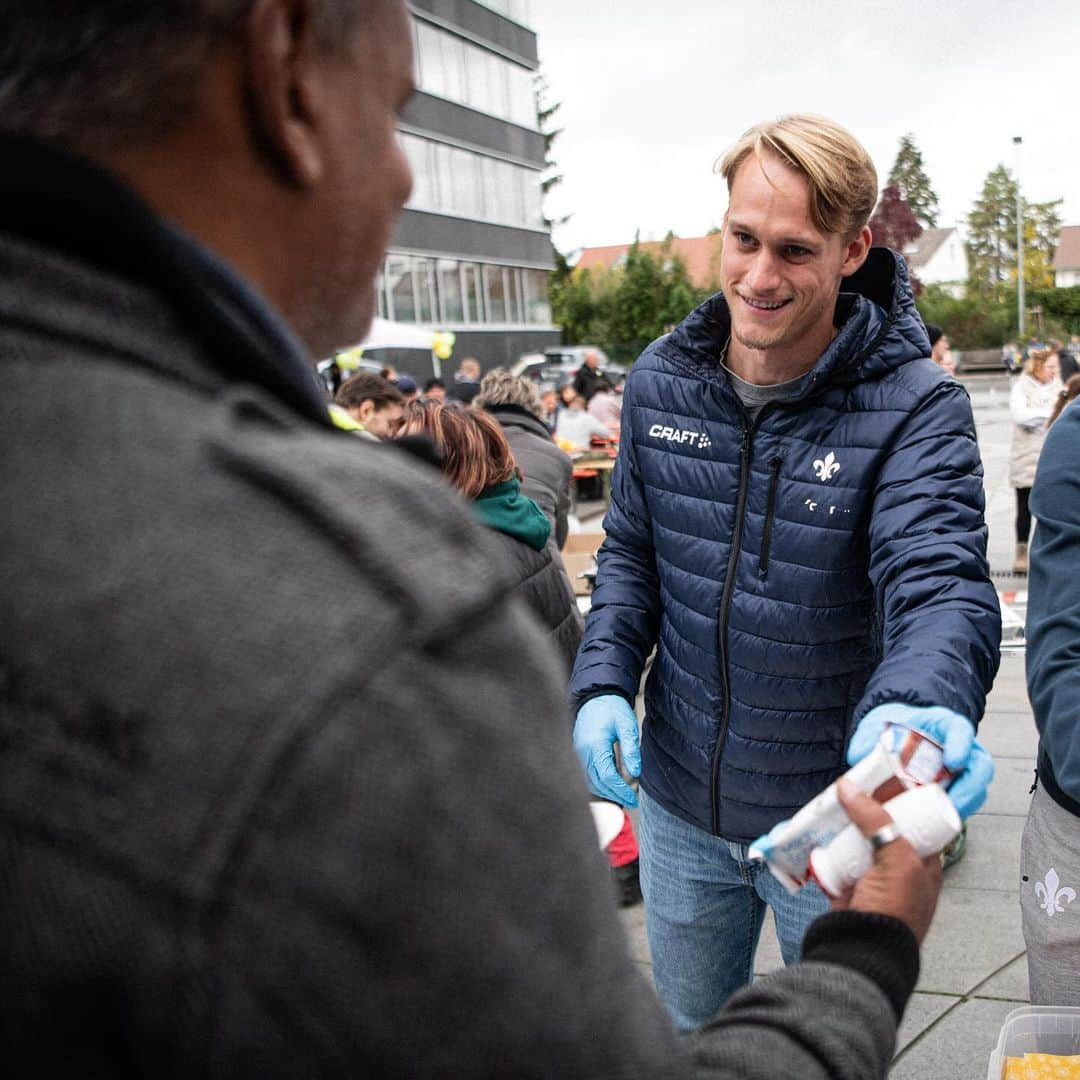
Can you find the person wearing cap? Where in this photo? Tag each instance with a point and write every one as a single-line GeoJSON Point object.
{"type": "Point", "coordinates": [407, 387]}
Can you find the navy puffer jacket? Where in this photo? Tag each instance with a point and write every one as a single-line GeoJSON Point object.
{"type": "Point", "coordinates": [795, 571]}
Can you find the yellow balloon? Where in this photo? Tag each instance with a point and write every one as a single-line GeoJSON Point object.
{"type": "Point", "coordinates": [349, 359]}
{"type": "Point", "coordinates": [442, 344]}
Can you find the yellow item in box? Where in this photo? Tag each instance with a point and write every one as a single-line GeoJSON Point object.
{"type": "Point", "coordinates": [1042, 1067]}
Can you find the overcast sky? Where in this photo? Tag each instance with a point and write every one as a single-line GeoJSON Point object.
{"type": "Point", "coordinates": [652, 92]}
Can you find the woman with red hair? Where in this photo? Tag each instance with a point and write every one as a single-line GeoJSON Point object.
{"type": "Point", "coordinates": [477, 460]}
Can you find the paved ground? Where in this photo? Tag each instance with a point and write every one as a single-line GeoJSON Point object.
{"type": "Point", "coordinates": [974, 969]}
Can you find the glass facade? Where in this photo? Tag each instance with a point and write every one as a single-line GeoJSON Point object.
{"type": "Point", "coordinates": [449, 180]}
{"type": "Point", "coordinates": [461, 292]}
{"type": "Point", "coordinates": [450, 67]}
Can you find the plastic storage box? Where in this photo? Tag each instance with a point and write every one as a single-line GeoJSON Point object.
{"type": "Point", "coordinates": [1036, 1029]}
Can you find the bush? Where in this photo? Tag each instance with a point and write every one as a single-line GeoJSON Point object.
{"type": "Point", "coordinates": [969, 322]}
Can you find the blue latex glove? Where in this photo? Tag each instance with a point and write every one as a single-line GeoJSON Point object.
{"type": "Point", "coordinates": [963, 754]}
{"type": "Point", "coordinates": [602, 722]}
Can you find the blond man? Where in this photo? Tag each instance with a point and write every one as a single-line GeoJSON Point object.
{"type": "Point", "coordinates": [796, 526]}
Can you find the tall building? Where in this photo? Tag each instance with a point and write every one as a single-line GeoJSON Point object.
{"type": "Point", "coordinates": [471, 253]}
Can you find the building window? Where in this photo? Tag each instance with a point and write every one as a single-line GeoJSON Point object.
{"type": "Point", "coordinates": [399, 288]}
{"type": "Point", "coordinates": [449, 180]}
{"type": "Point", "coordinates": [537, 306]}
{"type": "Point", "coordinates": [494, 294]}
{"type": "Point", "coordinates": [427, 310]}
{"type": "Point", "coordinates": [453, 292]}
{"type": "Point", "coordinates": [450, 291]}
{"type": "Point", "coordinates": [380, 293]}
{"type": "Point", "coordinates": [451, 67]}
{"type": "Point", "coordinates": [474, 293]}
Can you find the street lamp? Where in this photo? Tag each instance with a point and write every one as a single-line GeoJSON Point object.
{"type": "Point", "coordinates": [1017, 141]}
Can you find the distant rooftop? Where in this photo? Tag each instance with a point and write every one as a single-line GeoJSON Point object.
{"type": "Point", "coordinates": [701, 254]}
{"type": "Point", "coordinates": [1067, 255]}
{"type": "Point", "coordinates": [919, 252]}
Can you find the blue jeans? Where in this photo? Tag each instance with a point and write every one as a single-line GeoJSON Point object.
{"type": "Point", "coordinates": [704, 906]}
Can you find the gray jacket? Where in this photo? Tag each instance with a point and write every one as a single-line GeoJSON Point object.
{"type": "Point", "coordinates": [275, 799]}
{"type": "Point", "coordinates": [544, 587]}
{"type": "Point", "coordinates": [547, 470]}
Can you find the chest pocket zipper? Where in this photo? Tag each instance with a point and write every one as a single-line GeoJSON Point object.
{"type": "Point", "coordinates": [770, 511]}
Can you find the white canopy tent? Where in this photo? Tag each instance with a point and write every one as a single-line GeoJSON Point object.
{"type": "Point", "coordinates": [385, 334]}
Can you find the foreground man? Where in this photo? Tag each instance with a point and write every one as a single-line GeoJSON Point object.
{"type": "Point", "coordinates": [796, 525]}
{"type": "Point", "coordinates": [280, 790]}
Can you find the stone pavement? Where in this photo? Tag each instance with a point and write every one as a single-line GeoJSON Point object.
{"type": "Point", "coordinates": [973, 964]}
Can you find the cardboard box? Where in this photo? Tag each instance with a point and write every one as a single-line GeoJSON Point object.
{"type": "Point", "coordinates": [583, 543]}
{"type": "Point", "coordinates": [578, 563]}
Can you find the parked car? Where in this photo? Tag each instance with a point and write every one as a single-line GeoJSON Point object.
{"type": "Point", "coordinates": [557, 366]}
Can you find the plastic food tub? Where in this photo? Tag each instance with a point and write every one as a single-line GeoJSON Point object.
{"type": "Point", "coordinates": [1036, 1029]}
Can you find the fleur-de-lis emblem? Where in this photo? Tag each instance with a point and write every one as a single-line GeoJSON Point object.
{"type": "Point", "coordinates": [1051, 897]}
{"type": "Point", "coordinates": [827, 468]}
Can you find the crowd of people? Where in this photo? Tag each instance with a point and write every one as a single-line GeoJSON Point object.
{"type": "Point", "coordinates": [289, 784]}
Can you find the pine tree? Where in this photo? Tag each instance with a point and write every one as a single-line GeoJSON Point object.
{"type": "Point", "coordinates": [569, 300]}
{"type": "Point", "coordinates": [552, 178]}
{"type": "Point", "coordinates": [910, 177]}
{"type": "Point", "coordinates": [991, 244]}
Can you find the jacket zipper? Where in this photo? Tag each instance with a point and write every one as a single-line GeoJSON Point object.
{"type": "Point", "coordinates": [725, 603]}
{"type": "Point", "coordinates": [770, 510]}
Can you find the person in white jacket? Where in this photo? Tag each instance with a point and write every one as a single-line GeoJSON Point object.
{"type": "Point", "coordinates": [1030, 404]}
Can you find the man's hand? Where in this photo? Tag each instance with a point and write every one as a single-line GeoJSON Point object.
{"type": "Point", "coordinates": [603, 722]}
{"type": "Point", "coordinates": [899, 883]}
{"type": "Point", "coordinates": [963, 754]}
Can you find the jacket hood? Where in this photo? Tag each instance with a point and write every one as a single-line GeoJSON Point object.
{"type": "Point", "coordinates": [878, 328]}
{"type": "Point", "coordinates": [503, 508]}
{"type": "Point", "coordinates": [516, 416]}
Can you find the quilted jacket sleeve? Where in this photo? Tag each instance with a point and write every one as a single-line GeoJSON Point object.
{"type": "Point", "coordinates": [621, 628]}
{"type": "Point", "coordinates": [939, 613]}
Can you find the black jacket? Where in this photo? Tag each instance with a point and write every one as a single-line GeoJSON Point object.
{"type": "Point", "coordinates": [547, 471]}
{"type": "Point", "coordinates": [587, 381]}
{"type": "Point", "coordinates": [543, 585]}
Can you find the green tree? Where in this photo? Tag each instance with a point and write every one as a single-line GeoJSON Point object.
{"type": "Point", "coordinates": [551, 178]}
{"type": "Point", "coordinates": [971, 322]}
{"type": "Point", "coordinates": [569, 300]}
{"type": "Point", "coordinates": [1042, 227]}
{"type": "Point", "coordinates": [991, 244]}
{"type": "Point", "coordinates": [639, 299]}
{"type": "Point", "coordinates": [910, 177]}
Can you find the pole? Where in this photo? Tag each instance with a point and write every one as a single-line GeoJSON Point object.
{"type": "Point", "coordinates": [1017, 141]}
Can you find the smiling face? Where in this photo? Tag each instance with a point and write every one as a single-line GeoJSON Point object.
{"type": "Point", "coordinates": [779, 273]}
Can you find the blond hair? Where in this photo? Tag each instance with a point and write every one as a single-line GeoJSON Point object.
{"type": "Point", "coordinates": [499, 387]}
{"type": "Point", "coordinates": [1036, 362]}
{"type": "Point", "coordinates": [842, 178]}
